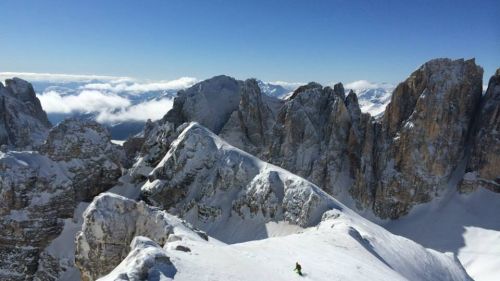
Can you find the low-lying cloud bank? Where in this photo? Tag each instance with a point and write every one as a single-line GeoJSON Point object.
{"type": "Point", "coordinates": [108, 107]}
{"type": "Point", "coordinates": [361, 85]}
{"type": "Point", "coordinates": [137, 87]}
{"type": "Point", "coordinates": [84, 102]}
{"type": "Point", "coordinates": [111, 99]}
{"type": "Point", "coordinates": [60, 78]}
{"type": "Point", "coordinates": [154, 110]}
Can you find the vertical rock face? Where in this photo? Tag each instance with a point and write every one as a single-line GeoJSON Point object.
{"type": "Point", "coordinates": [249, 127]}
{"type": "Point", "coordinates": [35, 194]}
{"type": "Point", "coordinates": [38, 190]}
{"type": "Point", "coordinates": [86, 150]}
{"type": "Point", "coordinates": [212, 185]}
{"type": "Point", "coordinates": [110, 224]}
{"type": "Point", "coordinates": [210, 103]}
{"type": "Point", "coordinates": [424, 130]}
{"type": "Point", "coordinates": [314, 133]}
{"type": "Point", "coordinates": [483, 167]}
{"type": "Point", "coordinates": [23, 123]}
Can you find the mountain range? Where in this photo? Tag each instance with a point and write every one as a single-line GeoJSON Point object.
{"type": "Point", "coordinates": [239, 180]}
{"type": "Point", "coordinates": [123, 105]}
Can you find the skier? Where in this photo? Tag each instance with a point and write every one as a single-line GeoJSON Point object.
{"type": "Point", "coordinates": [298, 268]}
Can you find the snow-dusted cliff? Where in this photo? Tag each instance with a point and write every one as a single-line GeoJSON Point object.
{"type": "Point", "coordinates": [23, 123]}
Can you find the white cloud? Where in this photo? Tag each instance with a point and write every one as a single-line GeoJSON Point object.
{"type": "Point", "coordinates": [86, 101]}
{"type": "Point", "coordinates": [366, 85]}
{"type": "Point", "coordinates": [154, 110]}
{"type": "Point", "coordinates": [108, 97]}
{"type": "Point", "coordinates": [287, 85]}
{"type": "Point", "coordinates": [105, 83]}
{"type": "Point", "coordinates": [109, 108]}
{"type": "Point", "coordinates": [61, 78]}
{"type": "Point", "coordinates": [140, 87]}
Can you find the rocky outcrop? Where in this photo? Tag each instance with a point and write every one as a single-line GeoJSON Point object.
{"type": "Point", "coordinates": [39, 190]}
{"type": "Point", "coordinates": [35, 195]}
{"type": "Point", "coordinates": [23, 123]}
{"type": "Point", "coordinates": [85, 149]}
{"type": "Point", "coordinates": [110, 224]}
{"type": "Point", "coordinates": [250, 126]}
{"type": "Point", "coordinates": [210, 102]}
{"type": "Point", "coordinates": [146, 261]}
{"type": "Point", "coordinates": [483, 167]}
{"type": "Point", "coordinates": [423, 133]}
{"type": "Point", "coordinates": [214, 185]}
{"type": "Point", "coordinates": [316, 134]}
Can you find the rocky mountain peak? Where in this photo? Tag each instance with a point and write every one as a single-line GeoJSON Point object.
{"type": "Point", "coordinates": [209, 102]}
{"type": "Point", "coordinates": [438, 80]}
{"type": "Point", "coordinates": [426, 126]}
{"type": "Point", "coordinates": [216, 186]}
{"type": "Point", "coordinates": [23, 123]}
{"type": "Point", "coordinates": [85, 146]}
{"type": "Point", "coordinates": [339, 90]}
{"type": "Point", "coordinates": [309, 87]}
{"type": "Point", "coordinates": [21, 88]}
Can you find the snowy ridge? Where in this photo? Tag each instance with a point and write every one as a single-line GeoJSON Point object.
{"type": "Point", "coordinates": [229, 193]}
{"type": "Point", "coordinates": [343, 247]}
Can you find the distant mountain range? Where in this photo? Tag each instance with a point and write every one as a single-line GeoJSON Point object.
{"type": "Point", "coordinates": [124, 106]}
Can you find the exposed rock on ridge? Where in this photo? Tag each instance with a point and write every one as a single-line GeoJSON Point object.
{"type": "Point", "coordinates": [23, 123]}
{"type": "Point", "coordinates": [250, 126]}
{"type": "Point", "coordinates": [86, 150]}
{"type": "Point", "coordinates": [110, 224]}
{"type": "Point", "coordinates": [40, 189]}
{"type": "Point", "coordinates": [35, 194]}
{"type": "Point", "coordinates": [423, 133]}
{"type": "Point", "coordinates": [483, 167]}
{"type": "Point", "coordinates": [211, 102]}
{"type": "Point", "coordinates": [222, 104]}
{"type": "Point", "coordinates": [216, 186]}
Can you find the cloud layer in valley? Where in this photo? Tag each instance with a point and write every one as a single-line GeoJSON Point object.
{"type": "Point", "coordinates": [366, 85]}
{"type": "Point", "coordinates": [111, 99]}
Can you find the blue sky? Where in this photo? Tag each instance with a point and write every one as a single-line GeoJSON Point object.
{"type": "Point", "coordinates": [324, 41]}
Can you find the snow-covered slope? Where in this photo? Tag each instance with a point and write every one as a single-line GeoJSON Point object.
{"type": "Point", "coordinates": [466, 225]}
{"type": "Point", "coordinates": [343, 247]}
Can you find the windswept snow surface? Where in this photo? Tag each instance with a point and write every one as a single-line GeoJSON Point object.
{"type": "Point", "coordinates": [466, 225]}
{"type": "Point", "coordinates": [342, 247]}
